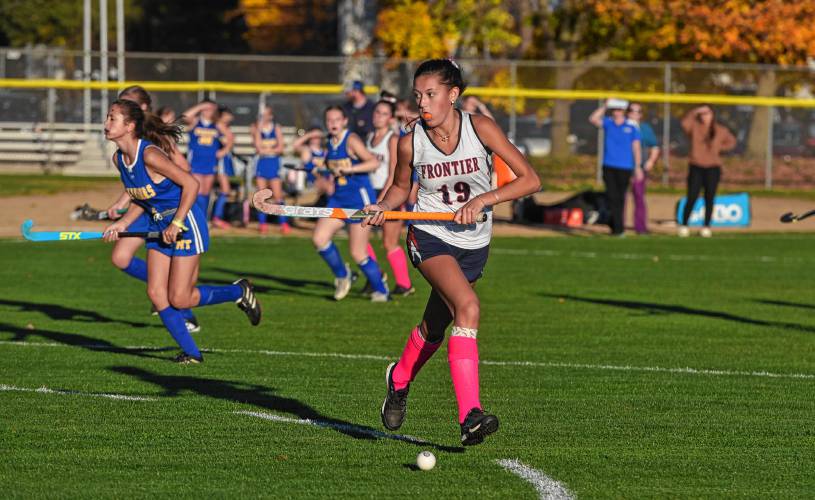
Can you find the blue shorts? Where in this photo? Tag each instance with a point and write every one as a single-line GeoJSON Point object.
{"type": "Point", "coordinates": [203, 168]}
{"type": "Point", "coordinates": [268, 167]}
{"type": "Point", "coordinates": [193, 241]}
{"type": "Point", "coordinates": [225, 166]}
{"type": "Point", "coordinates": [352, 197]}
{"type": "Point", "coordinates": [422, 246]}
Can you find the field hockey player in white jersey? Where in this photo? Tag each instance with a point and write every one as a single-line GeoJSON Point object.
{"type": "Point", "coordinates": [450, 151]}
{"type": "Point", "coordinates": [382, 144]}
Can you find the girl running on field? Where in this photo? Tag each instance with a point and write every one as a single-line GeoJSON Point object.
{"type": "Point", "coordinates": [225, 167]}
{"type": "Point", "coordinates": [350, 164]}
{"type": "Point", "coordinates": [267, 136]}
{"type": "Point", "coordinates": [124, 250]}
{"type": "Point", "coordinates": [167, 194]}
{"type": "Point", "coordinates": [450, 151]}
{"type": "Point", "coordinates": [209, 141]}
{"type": "Point", "coordinates": [382, 144]}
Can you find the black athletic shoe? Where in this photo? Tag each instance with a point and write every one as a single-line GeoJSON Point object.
{"type": "Point", "coordinates": [395, 406]}
{"type": "Point", "coordinates": [477, 426]}
{"type": "Point", "coordinates": [248, 303]}
{"type": "Point", "coordinates": [188, 359]}
{"type": "Point", "coordinates": [404, 292]}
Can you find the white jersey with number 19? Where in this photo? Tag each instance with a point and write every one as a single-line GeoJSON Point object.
{"type": "Point", "coordinates": [448, 182]}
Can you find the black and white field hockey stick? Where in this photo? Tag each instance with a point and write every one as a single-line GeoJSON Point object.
{"type": "Point", "coordinates": [70, 235]}
{"type": "Point", "coordinates": [86, 212]}
{"type": "Point", "coordinates": [790, 217]}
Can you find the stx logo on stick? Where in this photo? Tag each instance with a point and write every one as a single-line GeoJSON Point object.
{"type": "Point", "coordinates": [70, 235]}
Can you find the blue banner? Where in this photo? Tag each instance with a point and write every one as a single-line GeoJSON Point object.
{"type": "Point", "coordinates": [729, 210]}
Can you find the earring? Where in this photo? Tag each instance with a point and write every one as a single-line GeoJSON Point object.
{"type": "Point", "coordinates": [452, 103]}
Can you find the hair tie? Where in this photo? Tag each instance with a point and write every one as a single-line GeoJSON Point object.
{"type": "Point", "coordinates": [454, 63]}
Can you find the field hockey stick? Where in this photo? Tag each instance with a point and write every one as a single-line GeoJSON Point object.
{"type": "Point", "coordinates": [78, 235]}
{"type": "Point", "coordinates": [86, 212]}
{"type": "Point", "coordinates": [263, 201]}
{"type": "Point", "coordinates": [790, 217]}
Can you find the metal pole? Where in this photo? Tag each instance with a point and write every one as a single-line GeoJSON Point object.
{"type": "Point", "coordinates": [666, 129]}
{"type": "Point", "coordinates": [120, 40]}
{"type": "Point", "coordinates": [201, 72]}
{"type": "Point", "coordinates": [50, 115]}
{"type": "Point", "coordinates": [103, 49]}
{"type": "Point", "coordinates": [768, 160]}
{"type": "Point", "coordinates": [86, 63]}
{"type": "Point", "coordinates": [513, 82]}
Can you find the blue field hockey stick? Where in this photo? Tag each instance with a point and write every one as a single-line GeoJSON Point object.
{"type": "Point", "coordinates": [78, 235]}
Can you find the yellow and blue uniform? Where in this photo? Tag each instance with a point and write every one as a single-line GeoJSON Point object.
{"type": "Point", "coordinates": [317, 161]}
{"type": "Point", "coordinates": [160, 201]}
{"type": "Point", "coordinates": [268, 166]}
{"type": "Point", "coordinates": [350, 190]}
{"type": "Point", "coordinates": [204, 144]}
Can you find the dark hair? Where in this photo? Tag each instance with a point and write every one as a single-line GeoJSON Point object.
{"type": "Point", "coordinates": [150, 126]}
{"type": "Point", "coordinates": [391, 106]}
{"type": "Point", "coordinates": [447, 71]}
{"type": "Point", "coordinates": [336, 107]}
{"type": "Point", "coordinates": [164, 110]}
{"type": "Point", "coordinates": [223, 108]}
{"type": "Point", "coordinates": [387, 97]}
{"type": "Point", "coordinates": [711, 131]}
{"type": "Point", "coordinates": [634, 103]}
{"type": "Point", "coordinates": [139, 95]}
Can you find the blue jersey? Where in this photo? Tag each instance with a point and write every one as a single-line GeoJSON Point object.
{"type": "Point", "coordinates": [160, 200]}
{"type": "Point", "coordinates": [351, 190]}
{"type": "Point", "coordinates": [269, 139]}
{"type": "Point", "coordinates": [617, 152]}
{"type": "Point", "coordinates": [204, 143]}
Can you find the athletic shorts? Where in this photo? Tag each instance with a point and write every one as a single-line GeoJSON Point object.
{"type": "Point", "coordinates": [225, 166]}
{"type": "Point", "coordinates": [204, 169]}
{"type": "Point", "coordinates": [422, 246]}
{"type": "Point", "coordinates": [351, 198]}
{"type": "Point", "coordinates": [193, 241]}
{"type": "Point", "coordinates": [268, 167]}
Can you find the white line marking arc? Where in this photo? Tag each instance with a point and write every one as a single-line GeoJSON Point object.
{"type": "Point", "coordinates": [547, 488]}
{"type": "Point", "coordinates": [46, 390]}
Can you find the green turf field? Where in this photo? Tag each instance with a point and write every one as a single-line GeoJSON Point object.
{"type": "Point", "coordinates": [633, 368]}
{"type": "Point", "coordinates": [33, 184]}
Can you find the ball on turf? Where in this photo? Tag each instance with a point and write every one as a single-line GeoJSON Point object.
{"type": "Point", "coordinates": [426, 460]}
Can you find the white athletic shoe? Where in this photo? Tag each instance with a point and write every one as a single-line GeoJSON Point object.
{"type": "Point", "coordinates": [343, 285]}
{"type": "Point", "coordinates": [379, 297]}
{"type": "Point", "coordinates": [683, 232]}
{"type": "Point", "coordinates": [705, 232]}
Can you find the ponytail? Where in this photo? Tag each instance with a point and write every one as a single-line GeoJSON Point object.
{"type": "Point", "coordinates": [150, 126]}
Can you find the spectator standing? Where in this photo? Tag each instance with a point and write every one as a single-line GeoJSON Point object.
{"type": "Point", "coordinates": [650, 155]}
{"type": "Point", "coordinates": [621, 157]}
{"type": "Point", "coordinates": [708, 138]}
{"type": "Point", "coordinates": [359, 110]}
{"type": "Point", "coordinates": [472, 105]}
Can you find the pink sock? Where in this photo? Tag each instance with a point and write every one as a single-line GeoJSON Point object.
{"type": "Point", "coordinates": [398, 262]}
{"type": "Point", "coordinates": [462, 353]}
{"type": "Point", "coordinates": [371, 252]}
{"type": "Point", "coordinates": [417, 352]}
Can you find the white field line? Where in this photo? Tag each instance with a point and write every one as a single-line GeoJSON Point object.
{"type": "Point", "coordinates": [334, 425]}
{"type": "Point", "coordinates": [547, 488]}
{"type": "Point", "coordinates": [641, 256]}
{"type": "Point", "coordinates": [531, 364]}
{"type": "Point", "coordinates": [46, 390]}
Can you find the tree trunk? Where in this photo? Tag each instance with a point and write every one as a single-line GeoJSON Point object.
{"type": "Point", "coordinates": [760, 127]}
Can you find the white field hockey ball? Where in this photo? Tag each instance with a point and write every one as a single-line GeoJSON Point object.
{"type": "Point", "coordinates": [426, 460]}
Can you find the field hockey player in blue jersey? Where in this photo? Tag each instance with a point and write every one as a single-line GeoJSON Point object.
{"type": "Point", "coordinates": [167, 194]}
{"type": "Point", "coordinates": [208, 141]}
{"type": "Point", "coordinates": [350, 163]}
{"type": "Point", "coordinates": [267, 136]}
{"type": "Point", "coordinates": [225, 166]}
{"type": "Point", "coordinates": [124, 251]}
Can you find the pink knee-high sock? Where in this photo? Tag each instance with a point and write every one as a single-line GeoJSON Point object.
{"type": "Point", "coordinates": [417, 352]}
{"type": "Point", "coordinates": [398, 262]}
{"type": "Point", "coordinates": [371, 252]}
{"type": "Point", "coordinates": [462, 354]}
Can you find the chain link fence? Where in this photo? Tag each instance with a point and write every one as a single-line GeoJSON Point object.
{"type": "Point", "coordinates": [776, 145]}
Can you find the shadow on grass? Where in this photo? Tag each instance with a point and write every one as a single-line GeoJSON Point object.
{"type": "Point", "coordinates": [290, 282]}
{"type": "Point", "coordinates": [61, 313]}
{"type": "Point", "coordinates": [77, 340]}
{"type": "Point", "coordinates": [265, 398]}
{"type": "Point", "coordinates": [654, 308]}
{"type": "Point", "coordinates": [784, 303]}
